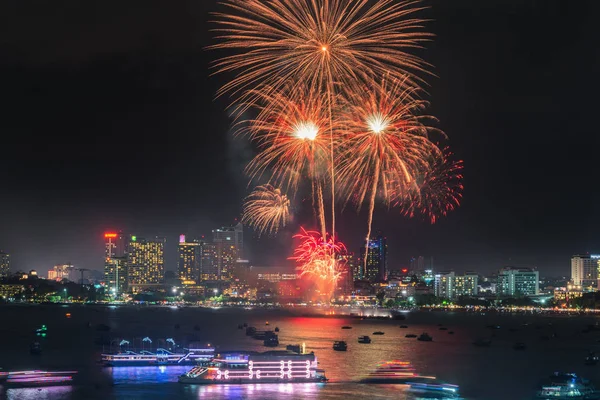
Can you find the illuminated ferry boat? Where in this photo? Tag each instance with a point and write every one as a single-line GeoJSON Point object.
{"type": "Point", "coordinates": [568, 386]}
{"type": "Point", "coordinates": [253, 367]}
{"type": "Point", "coordinates": [160, 357]}
{"type": "Point", "coordinates": [36, 378]}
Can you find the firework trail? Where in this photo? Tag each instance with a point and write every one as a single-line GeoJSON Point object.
{"type": "Point", "coordinates": [267, 209]}
{"type": "Point", "coordinates": [438, 189]}
{"type": "Point", "coordinates": [385, 143]}
{"type": "Point", "coordinates": [319, 258]}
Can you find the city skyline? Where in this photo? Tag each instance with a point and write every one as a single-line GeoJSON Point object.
{"type": "Point", "coordinates": [61, 194]}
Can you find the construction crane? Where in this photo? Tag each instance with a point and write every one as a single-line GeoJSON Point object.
{"type": "Point", "coordinates": [82, 270]}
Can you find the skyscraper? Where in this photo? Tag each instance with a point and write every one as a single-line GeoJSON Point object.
{"type": "Point", "coordinates": [229, 247]}
{"type": "Point", "coordinates": [208, 262]}
{"type": "Point", "coordinates": [377, 267]}
{"type": "Point", "coordinates": [145, 262]}
{"type": "Point", "coordinates": [4, 264]}
{"type": "Point", "coordinates": [584, 270]}
{"type": "Point", "coordinates": [60, 272]}
{"type": "Point", "coordinates": [190, 254]}
{"type": "Point", "coordinates": [516, 282]}
{"type": "Point", "coordinates": [115, 262]}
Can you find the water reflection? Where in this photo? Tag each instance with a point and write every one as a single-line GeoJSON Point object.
{"type": "Point", "coordinates": [41, 393]}
{"type": "Point", "coordinates": [255, 391]}
{"type": "Point", "coordinates": [145, 375]}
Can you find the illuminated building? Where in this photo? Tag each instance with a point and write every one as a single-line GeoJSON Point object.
{"type": "Point", "coordinates": [515, 282]}
{"type": "Point", "coordinates": [346, 281]}
{"type": "Point", "coordinates": [60, 272]}
{"type": "Point", "coordinates": [466, 285]}
{"type": "Point", "coordinates": [566, 294]}
{"type": "Point", "coordinates": [145, 263]}
{"type": "Point", "coordinates": [229, 247]}
{"type": "Point", "coordinates": [4, 264]}
{"type": "Point", "coordinates": [208, 262]}
{"type": "Point", "coordinates": [115, 262]}
{"type": "Point", "coordinates": [190, 254]}
{"type": "Point", "coordinates": [443, 285]}
{"type": "Point", "coordinates": [8, 291]}
{"type": "Point", "coordinates": [376, 268]}
{"type": "Point", "coordinates": [584, 270]}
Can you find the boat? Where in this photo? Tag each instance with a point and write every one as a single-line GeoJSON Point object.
{"type": "Point", "coordinates": [346, 327]}
{"type": "Point", "coordinates": [294, 348]}
{"type": "Point", "coordinates": [433, 389]}
{"type": "Point", "coordinates": [276, 329]}
{"type": "Point", "coordinates": [592, 359]}
{"type": "Point", "coordinates": [493, 326]}
{"type": "Point", "coordinates": [424, 337]}
{"type": "Point", "coordinates": [240, 326]}
{"type": "Point", "coordinates": [340, 346]}
{"type": "Point", "coordinates": [378, 333]}
{"type": "Point", "coordinates": [403, 326]}
{"type": "Point", "coordinates": [483, 342]}
{"type": "Point", "coordinates": [443, 328]}
{"type": "Point", "coordinates": [245, 324]}
{"type": "Point", "coordinates": [37, 378]}
{"type": "Point", "coordinates": [410, 335]}
{"type": "Point", "coordinates": [519, 346]}
{"type": "Point", "coordinates": [35, 348]}
{"type": "Point", "coordinates": [250, 330]}
{"type": "Point", "coordinates": [364, 339]}
{"type": "Point", "coordinates": [262, 335]}
{"type": "Point", "coordinates": [568, 386]}
{"type": "Point", "coordinates": [252, 367]}
{"type": "Point", "coordinates": [271, 341]}
{"type": "Point", "coordinates": [160, 357]}
{"type": "Point", "coordinates": [450, 332]}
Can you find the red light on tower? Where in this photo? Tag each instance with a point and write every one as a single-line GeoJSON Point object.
{"type": "Point", "coordinates": [110, 235]}
{"type": "Point", "coordinates": [404, 270]}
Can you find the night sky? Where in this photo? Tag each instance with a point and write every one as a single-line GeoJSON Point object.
{"type": "Point", "coordinates": [109, 121]}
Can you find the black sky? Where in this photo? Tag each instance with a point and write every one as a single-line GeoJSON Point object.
{"type": "Point", "coordinates": [108, 121]}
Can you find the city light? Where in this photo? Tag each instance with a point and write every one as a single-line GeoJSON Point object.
{"type": "Point", "coordinates": [110, 235]}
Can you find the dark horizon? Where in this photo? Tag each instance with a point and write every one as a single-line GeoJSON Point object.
{"type": "Point", "coordinates": [113, 125]}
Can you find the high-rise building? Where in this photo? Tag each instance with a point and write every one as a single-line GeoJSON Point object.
{"type": "Point", "coordinates": [4, 264]}
{"type": "Point", "coordinates": [189, 260]}
{"type": "Point", "coordinates": [208, 262]}
{"type": "Point", "coordinates": [515, 282]}
{"type": "Point", "coordinates": [448, 285]}
{"type": "Point", "coordinates": [584, 270]}
{"type": "Point", "coordinates": [376, 267]}
{"type": "Point", "coordinates": [60, 272]}
{"type": "Point", "coordinates": [229, 247]}
{"type": "Point", "coordinates": [466, 285]}
{"type": "Point", "coordinates": [116, 276]}
{"type": "Point", "coordinates": [145, 262]}
{"type": "Point", "coordinates": [417, 264]}
{"type": "Point", "coordinates": [443, 285]}
{"type": "Point", "coordinates": [345, 283]}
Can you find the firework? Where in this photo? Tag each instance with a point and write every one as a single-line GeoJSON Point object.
{"type": "Point", "coordinates": [438, 189]}
{"type": "Point", "coordinates": [385, 143]}
{"type": "Point", "coordinates": [319, 259]}
{"type": "Point", "coordinates": [267, 209]}
{"type": "Point", "coordinates": [317, 42]}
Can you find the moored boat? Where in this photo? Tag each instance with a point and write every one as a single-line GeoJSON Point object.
{"type": "Point", "coordinates": [340, 346]}
{"type": "Point", "coordinates": [364, 339]}
{"type": "Point", "coordinates": [425, 337]}
{"type": "Point", "coordinates": [160, 357]}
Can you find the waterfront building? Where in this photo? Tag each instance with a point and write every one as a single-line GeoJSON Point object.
{"type": "Point", "coordinates": [190, 254]}
{"type": "Point", "coordinates": [4, 264]}
{"type": "Point", "coordinates": [208, 262]}
{"type": "Point", "coordinates": [345, 283]}
{"type": "Point", "coordinates": [116, 275]}
{"type": "Point", "coordinates": [145, 263]}
{"type": "Point", "coordinates": [60, 272]}
{"type": "Point", "coordinates": [515, 282]}
{"type": "Point", "coordinates": [466, 285]}
{"type": "Point", "coordinates": [584, 270]}
{"type": "Point", "coordinates": [10, 291]}
{"type": "Point", "coordinates": [376, 251]}
{"type": "Point", "coordinates": [229, 247]}
{"type": "Point", "coordinates": [448, 285]}
{"type": "Point", "coordinates": [443, 285]}
{"type": "Point", "coordinates": [568, 293]}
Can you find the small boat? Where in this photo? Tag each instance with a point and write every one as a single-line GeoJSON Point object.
{"type": "Point", "coordinates": [266, 322]}
{"type": "Point", "coordinates": [346, 327]}
{"type": "Point", "coordinates": [440, 324]}
{"type": "Point", "coordinates": [294, 348]}
{"type": "Point", "coordinates": [433, 389]}
{"type": "Point", "coordinates": [378, 333]}
{"type": "Point", "coordinates": [493, 326]}
{"type": "Point", "coordinates": [245, 325]}
{"type": "Point", "coordinates": [592, 359]}
{"type": "Point", "coordinates": [450, 332]}
{"type": "Point", "coordinates": [410, 335]}
{"type": "Point", "coordinates": [364, 339]}
{"type": "Point", "coordinates": [276, 329]}
{"type": "Point", "coordinates": [35, 348]}
{"type": "Point", "coordinates": [271, 341]}
{"type": "Point", "coordinates": [403, 326]}
{"type": "Point", "coordinates": [24, 379]}
{"type": "Point", "coordinates": [483, 342]}
{"type": "Point", "coordinates": [240, 326]}
{"type": "Point", "coordinates": [568, 386]}
{"type": "Point", "coordinates": [425, 337]}
{"type": "Point", "coordinates": [177, 326]}
{"type": "Point", "coordinates": [250, 331]}
{"type": "Point", "coordinates": [340, 346]}
{"type": "Point", "coordinates": [443, 328]}
{"type": "Point", "coordinates": [519, 346]}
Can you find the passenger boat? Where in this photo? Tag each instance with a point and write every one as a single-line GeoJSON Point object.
{"type": "Point", "coordinates": [364, 339]}
{"type": "Point", "coordinates": [392, 372]}
{"type": "Point", "coordinates": [425, 337]}
{"type": "Point", "coordinates": [251, 367]}
{"type": "Point", "coordinates": [346, 327]}
{"type": "Point", "coordinates": [378, 333]}
{"type": "Point", "coordinates": [568, 386]}
{"type": "Point", "coordinates": [160, 357]}
{"type": "Point", "coordinates": [36, 378]}
{"type": "Point", "coordinates": [340, 346]}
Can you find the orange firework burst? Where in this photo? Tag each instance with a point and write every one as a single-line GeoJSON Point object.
{"type": "Point", "coordinates": [318, 42]}
{"type": "Point", "coordinates": [267, 209]}
{"type": "Point", "coordinates": [438, 190]}
{"type": "Point", "coordinates": [319, 259]}
{"type": "Point", "coordinates": [385, 143]}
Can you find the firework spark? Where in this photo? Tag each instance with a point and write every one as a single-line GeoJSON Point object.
{"type": "Point", "coordinates": [385, 143]}
{"type": "Point", "coordinates": [319, 259]}
{"type": "Point", "coordinates": [318, 42]}
{"type": "Point", "coordinates": [267, 209]}
{"type": "Point", "coordinates": [438, 189]}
